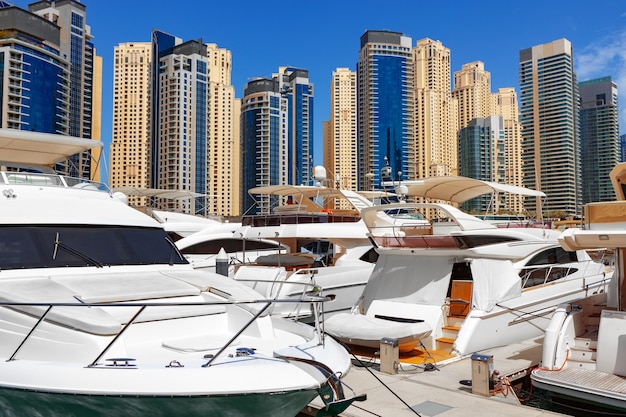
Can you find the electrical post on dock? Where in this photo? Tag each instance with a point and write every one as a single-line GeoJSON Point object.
{"type": "Point", "coordinates": [389, 355]}
{"type": "Point", "coordinates": [482, 373]}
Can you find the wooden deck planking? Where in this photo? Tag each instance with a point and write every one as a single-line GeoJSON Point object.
{"type": "Point", "coordinates": [586, 378]}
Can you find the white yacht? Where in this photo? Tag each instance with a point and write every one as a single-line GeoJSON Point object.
{"type": "Point", "coordinates": [101, 314]}
{"type": "Point", "coordinates": [459, 284]}
{"type": "Point", "coordinates": [301, 246]}
{"type": "Point", "coordinates": [585, 343]}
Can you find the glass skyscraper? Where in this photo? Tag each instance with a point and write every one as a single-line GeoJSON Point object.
{"type": "Point", "coordinates": [599, 138]}
{"type": "Point", "coordinates": [276, 134]}
{"type": "Point", "coordinates": [481, 156]}
{"type": "Point", "coordinates": [385, 86]}
{"type": "Point", "coordinates": [179, 125]}
{"type": "Point", "coordinates": [76, 44]}
{"type": "Point", "coordinates": [35, 79]}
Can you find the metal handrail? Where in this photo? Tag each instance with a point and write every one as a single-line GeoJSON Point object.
{"type": "Point", "coordinates": [49, 305]}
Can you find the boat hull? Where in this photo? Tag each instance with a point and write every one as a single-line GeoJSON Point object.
{"type": "Point", "coordinates": [16, 402]}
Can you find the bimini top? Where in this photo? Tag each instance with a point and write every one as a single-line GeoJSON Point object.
{"type": "Point", "coordinates": [22, 147]}
{"type": "Point", "coordinates": [154, 192]}
{"type": "Point", "coordinates": [307, 191]}
{"type": "Point", "coordinates": [460, 189]}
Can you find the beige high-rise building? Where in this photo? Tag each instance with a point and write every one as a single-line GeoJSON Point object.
{"type": "Point", "coordinates": [505, 105]}
{"type": "Point", "coordinates": [223, 135]}
{"type": "Point", "coordinates": [340, 141]}
{"type": "Point", "coordinates": [96, 118]}
{"type": "Point", "coordinates": [131, 108]}
{"type": "Point", "coordinates": [551, 157]}
{"type": "Point", "coordinates": [472, 89]}
{"type": "Point", "coordinates": [436, 119]}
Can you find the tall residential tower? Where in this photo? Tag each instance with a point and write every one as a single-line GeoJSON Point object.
{"type": "Point", "coordinates": [341, 138]}
{"type": "Point", "coordinates": [34, 77]}
{"type": "Point", "coordinates": [85, 76]}
{"type": "Point", "coordinates": [385, 107]}
{"type": "Point", "coordinates": [436, 112]}
{"type": "Point", "coordinates": [179, 122]}
{"type": "Point", "coordinates": [599, 138]}
{"type": "Point", "coordinates": [472, 89]}
{"type": "Point", "coordinates": [276, 134]}
{"type": "Point", "coordinates": [223, 135]}
{"type": "Point", "coordinates": [131, 110]}
{"type": "Point", "coordinates": [549, 119]}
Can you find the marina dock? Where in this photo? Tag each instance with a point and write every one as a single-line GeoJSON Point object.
{"type": "Point", "coordinates": [437, 390]}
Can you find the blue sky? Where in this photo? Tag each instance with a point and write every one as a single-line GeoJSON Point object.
{"type": "Point", "coordinates": [323, 35]}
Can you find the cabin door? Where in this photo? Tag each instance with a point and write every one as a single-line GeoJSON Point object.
{"type": "Point", "coordinates": [460, 298]}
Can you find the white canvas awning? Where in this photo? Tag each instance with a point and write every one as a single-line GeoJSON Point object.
{"type": "Point", "coordinates": [307, 191]}
{"type": "Point", "coordinates": [28, 148]}
{"type": "Point", "coordinates": [460, 189]}
{"type": "Point", "coordinates": [153, 192]}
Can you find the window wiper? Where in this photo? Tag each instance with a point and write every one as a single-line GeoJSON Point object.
{"type": "Point", "coordinates": [58, 244]}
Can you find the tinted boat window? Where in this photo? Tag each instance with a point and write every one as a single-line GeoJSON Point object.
{"type": "Point", "coordinates": [555, 255]}
{"type": "Point", "coordinates": [474, 241]}
{"type": "Point", "coordinates": [544, 267]}
{"type": "Point", "coordinates": [35, 247]}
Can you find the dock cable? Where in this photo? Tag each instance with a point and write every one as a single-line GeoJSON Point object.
{"type": "Point", "coordinates": [426, 366]}
{"type": "Point", "coordinates": [530, 390]}
{"type": "Point", "coordinates": [377, 378]}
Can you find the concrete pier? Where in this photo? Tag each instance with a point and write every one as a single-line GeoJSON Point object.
{"type": "Point", "coordinates": [441, 390]}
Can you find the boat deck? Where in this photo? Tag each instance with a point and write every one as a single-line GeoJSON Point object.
{"type": "Point", "coordinates": [586, 379]}
{"type": "Point", "coordinates": [437, 390]}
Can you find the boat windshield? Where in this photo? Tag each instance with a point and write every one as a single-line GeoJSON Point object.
{"type": "Point", "coordinates": [23, 247]}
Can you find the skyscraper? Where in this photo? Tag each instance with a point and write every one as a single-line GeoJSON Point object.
{"type": "Point", "coordinates": [131, 110]}
{"type": "Point", "coordinates": [472, 90]}
{"type": "Point", "coordinates": [34, 77]}
{"type": "Point", "coordinates": [179, 148]}
{"type": "Point", "coordinates": [277, 133]}
{"type": "Point", "coordinates": [385, 107]}
{"type": "Point", "coordinates": [176, 124]}
{"type": "Point", "coordinates": [549, 119]}
{"type": "Point", "coordinates": [223, 135]}
{"type": "Point", "coordinates": [599, 138]}
{"type": "Point", "coordinates": [295, 86]}
{"type": "Point", "coordinates": [481, 153]}
{"type": "Point", "coordinates": [505, 105]}
{"type": "Point", "coordinates": [76, 44]}
{"type": "Point", "coordinates": [436, 112]}
{"type": "Point", "coordinates": [341, 137]}
{"type": "Point", "coordinates": [263, 140]}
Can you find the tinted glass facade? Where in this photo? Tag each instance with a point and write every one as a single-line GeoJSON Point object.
{"type": "Point", "coordinates": [599, 138]}
{"type": "Point", "coordinates": [264, 142]}
{"type": "Point", "coordinates": [383, 85]}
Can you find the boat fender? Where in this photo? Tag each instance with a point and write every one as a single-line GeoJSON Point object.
{"type": "Point", "coordinates": [552, 340]}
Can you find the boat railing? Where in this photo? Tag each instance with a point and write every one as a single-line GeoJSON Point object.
{"type": "Point", "coordinates": [251, 305]}
{"type": "Point", "coordinates": [411, 236]}
{"type": "Point", "coordinates": [50, 180]}
{"type": "Point", "coordinates": [264, 220]}
{"type": "Point", "coordinates": [309, 289]}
